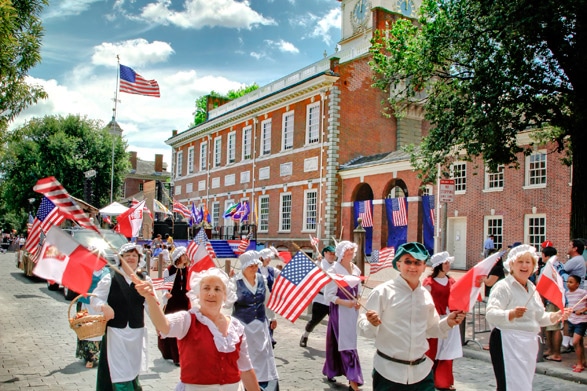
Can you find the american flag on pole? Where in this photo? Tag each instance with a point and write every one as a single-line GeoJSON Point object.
{"type": "Point", "coordinates": [202, 239]}
{"type": "Point", "coordinates": [399, 212]}
{"type": "Point", "coordinates": [180, 208]}
{"type": "Point", "coordinates": [133, 83]}
{"type": "Point", "coordinates": [56, 193]}
{"type": "Point", "coordinates": [191, 251]}
{"type": "Point", "coordinates": [381, 259]}
{"type": "Point", "coordinates": [295, 287]}
{"type": "Point", "coordinates": [365, 213]}
{"type": "Point", "coordinates": [48, 215]}
{"type": "Point", "coordinates": [165, 283]}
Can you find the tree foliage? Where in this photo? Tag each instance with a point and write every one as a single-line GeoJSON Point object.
{"type": "Point", "coordinates": [64, 147]}
{"type": "Point", "coordinates": [20, 39]}
{"type": "Point", "coordinates": [485, 70]}
{"type": "Point", "coordinates": [201, 114]}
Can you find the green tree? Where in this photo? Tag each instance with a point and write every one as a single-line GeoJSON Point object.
{"type": "Point", "coordinates": [64, 147]}
{"type": "Point", "coordinates": [201, 114]}
{"type": "Point", "coordinates": [485, 70]}
{"type": "Point", "coordinates": [20, 40]}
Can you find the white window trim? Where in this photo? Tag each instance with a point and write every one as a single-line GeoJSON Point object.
{"type": "Point", "coordinates": [283, 131]}
{"type": "Point", "coordinates": [527, 218]}
{"type": "Point", "coordinates": [231, 149]}
{"type": "Point", "coordinates": [486, 225]}
{"type": "Point", "coordinates": [265, 137]}
{"type": "Point", "coordinates": [203, 156]}
{"type": "Point", "coordinates": [281, 195]}
{"type": "Point", "coordinates": [259, 208]}
{"type": "Point", "coordinates": [308, 109]}
{"type": "Point", "coordinates": [452, 176]}
{"type": "Point", "coordinates": [191, 155]}
{"type": "Point", "coordinates": [305, 228]}
{"type": "Point", "coordinates": [527, 169]}
{"type": "Point", "coordinates": [249, 130]}
{"type": "Point", "coordinates": [486, 188]}
{"type": "Point", "coordinates": [217, 151]}
{"type": "Point", "coordinates": [179, 164]}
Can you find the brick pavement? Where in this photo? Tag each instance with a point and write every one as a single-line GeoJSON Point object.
{"type": "Point", "coordinates": [37, 349]}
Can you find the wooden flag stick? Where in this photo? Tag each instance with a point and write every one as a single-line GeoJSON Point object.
{"type": "Point", "coordinates": [577, 303]}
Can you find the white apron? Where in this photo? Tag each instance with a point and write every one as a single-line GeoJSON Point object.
{"type": "Point", "coordinates": [520, 349]}
{"type": "Point", "coordinates": [450, 347]}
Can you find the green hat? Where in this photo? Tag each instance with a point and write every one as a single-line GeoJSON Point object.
{"type": "Point", "coordinates": [327, 249]}
{"type": "Point", "coordinates": [415, 249]}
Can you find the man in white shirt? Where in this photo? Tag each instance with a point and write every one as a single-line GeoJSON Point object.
{"type": "Point", "coordinates": [400, 316]}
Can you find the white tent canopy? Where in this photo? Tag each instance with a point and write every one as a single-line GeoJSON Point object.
{"type": "Point", "coordinates": [114, 209]}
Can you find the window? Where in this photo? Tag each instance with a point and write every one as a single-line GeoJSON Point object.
{"type": "Point", "coordinates": [190, 160]}
{"type": "Point", "coordinates": [266, 137]}
{"type": "Point", "coordinates": [203, 156]}
{"type": "Point", "coordinates": [264, 214]}
{"type": "Point", "coordinates": [536, 169]}
{"type": "Point", "coordinates": [247, 142]}
{"type": "Point", "coordinates": [217, 151]}
{"type": "Point", "coordinates": [459, 174]}
{"type": "Point", "coordinates": [310, 210]}
{"type": "Point", "coordinates": [288, 131]}
{"type": "Point", "coordinates": [231, 148]}
{"type": "Point", "coordinates": [494, 180]}
{"type": "Point", "coordinates": [179, 165]}
{"type": "Point", "coordinates": [285, 212]}
{"type": "Point", "coordinates": [215, 214]}
{"type": "Point", "coordinates": [313, 123]}
{"type": "Point", "coordinates": [494, 226]}
{"type": "Point", "coordinates": [535, 230]}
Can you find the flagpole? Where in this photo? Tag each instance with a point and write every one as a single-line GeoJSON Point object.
{"type": "Point", "coordinates": [113, 126]}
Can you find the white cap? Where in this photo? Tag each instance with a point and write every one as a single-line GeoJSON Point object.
{"type": "Point", "coordinates": [196, 279]}
{"type": "Point", "coordinates": [249, 258]}
{"type": "Point", "coordinates": [128, 247]}
{"type": "Point", "coordinates": [440, 258]}
{"type": "Point", "coordinates": [267, 253]}
{"type": "Point", "coordinates": [178, 252]}
{"type": "Point", "coordinates": [518, 251]}
{"type": "Point", "coordinates": [341, 248]}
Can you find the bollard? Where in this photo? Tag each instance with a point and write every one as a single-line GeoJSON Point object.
{"type": "Point", "coordinates": [227, 266]}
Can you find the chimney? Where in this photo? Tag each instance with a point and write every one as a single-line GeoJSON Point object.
{"type": "Point", "coordinates": [133, 160]}
{"type": "Point", "coordinates": [174, 132]}
{"type": "Point", "coordinates": [158, 162]}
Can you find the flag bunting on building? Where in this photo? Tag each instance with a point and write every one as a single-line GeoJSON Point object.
{"type": "Point", "coordinates": [295, 287]}
{"type": "Point", "coordinates": [56, 193]}
{"type": "Point", "coordinates": [365, 213]}
{"type": "Point", "coordinates": [398, 210]}
{"type": "Point", "coordinates": [133, 83]}
{"type": "Point", "coordinates": [381, 259]}
{"type": "Point", "coordinates": [48, 215]}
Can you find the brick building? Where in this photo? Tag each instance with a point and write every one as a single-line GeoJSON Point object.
{"type": "Point", "coordinates": [304, 148]}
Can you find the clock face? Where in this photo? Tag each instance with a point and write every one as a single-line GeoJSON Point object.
{"type": "Point", "coordinates": [406, 7]}
{"type": "Point", "coordinates": [360, 13]}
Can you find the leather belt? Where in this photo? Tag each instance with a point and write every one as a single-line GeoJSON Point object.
{"type": "Point", "coordinates": [405, 362]}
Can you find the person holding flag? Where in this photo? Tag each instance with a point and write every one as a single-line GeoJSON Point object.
{"type": "Point", "coordinates": [175, 299]}
{"type": "Point", "coordinates": [122, 356]}
{"type": "Point", "coordinates": [400, 336]}
{"type": "Point", "coordinates": [342, 357]}
{"type": "Point", "coordinates": [516, 312]}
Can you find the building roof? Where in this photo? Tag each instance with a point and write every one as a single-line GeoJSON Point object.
{"type": "Point", "coordinates": [380, 158]}
{"type": "Point", "coordinates": [147, 168]}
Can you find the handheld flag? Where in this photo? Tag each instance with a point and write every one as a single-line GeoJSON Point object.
{"type": "Point", "coordinates": [65, 261]}
{"type": "Point", "coordinates": [146, 210]}
{"type": "Point", "coordinates": [550, 285]}
{"type": "Point", "coordinates": [131, 221]}
{"type": "Point", "coordinates": [56, 193]}
{"type": "Point", "coordinates": [202, 238]}
{"type": "Point", "coordinates": [48, 215]}
{"type": "Point", "coordinates": [133, 83]}
{"type": "Point", "coordinates": [165, 283]}
{"type": "Point", "coordinates": [244, 244]}
{"type": "Point", "coordinates": [381, 259]}
{"type": "Point", "coordinates": [295, 287]}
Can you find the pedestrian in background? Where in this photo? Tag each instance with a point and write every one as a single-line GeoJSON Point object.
{"type": "Point", "coordinates": [488, 246]}
{"type": "Point", "coordinates": [577, 319]}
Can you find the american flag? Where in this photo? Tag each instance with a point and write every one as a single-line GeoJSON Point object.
{"type": "Point", "coordinates": [135, 202]}
{"type": "Point", "coordinates": [295, 287]}
{"type": "Point", "coordinates": [56, 193]}
{"type": "Point", "coordinates": [202, 238]}
{"type": "Point", "coordinates": [165, 283]}
{"type": "Point", "coordinates": [133, 83]}
{"type": "Point", "coordinates": [365, 213]}
{"type": "Point", "coordinates": [399, 212]}
{"type": "Point", "coordinates": [47, 216]}
{"type": "Point", "coordinates": [180, 208]}
{"type": "Point", "coordinates": [244, 244]}
{"type": "Point", "coordinates": [381, 259]}
{"type": "Point", "coordinates": [191, 251]}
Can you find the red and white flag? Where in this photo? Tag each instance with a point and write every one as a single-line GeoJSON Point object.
{"type": "Point", "coordinates": [146, 210]}
{"type": "Point", "coordinates": [56, 193]}
{"type": "Point", "coordinates": [200, 259]}
{"type": "Point", "coordinates": [63, 260]}
{"type": "Point", "coordinates": [550, 285]}
{"type": "Point", "coordinates": [465, 291]}
{"type": "Point", "coordinates": [131, 221]}
{"type": "Point", "coordinates": [314, 241]}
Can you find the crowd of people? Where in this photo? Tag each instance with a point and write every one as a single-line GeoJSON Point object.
{"type": "Point", "coordinates": [213, 316]}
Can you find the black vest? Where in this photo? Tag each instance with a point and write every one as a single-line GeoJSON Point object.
{"type": "Point", "coordinates": [127, 304]}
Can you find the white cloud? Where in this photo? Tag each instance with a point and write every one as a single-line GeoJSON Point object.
{"type": "Point", "coordinates": [197, 14]}
{"type": "Point", "coordinates": [257, 55]}
{"type": "Point", "coordinates": [332, 20]}
{"type": "Point", "coordinates": [67, 8]}
{"type": "Point", "coordinates": [283, 46]}
{"type": "Point", "coordinates": [132, 52]}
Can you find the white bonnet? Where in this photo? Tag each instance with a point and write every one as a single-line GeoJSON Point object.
{"type": "Point", "coordinates": [178, 252]}
{"type": "Point", "coordinates": [341, 248]}
{"type": "Point", "coordinates": [196, 279]}
{"type": "Point", "coordinates": [440, 258]}
{"type": "Point", "coordinates": [267, 253]}
{"type": "Point", "coordinates": [249, 258]}
{"type": "Point", "coordinates": [517, 251]}
{"type": "Point", "coordinates": [128, 247]}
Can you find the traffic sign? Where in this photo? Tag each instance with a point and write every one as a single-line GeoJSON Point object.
{"type": "Point", "coordinates": [446, 191]}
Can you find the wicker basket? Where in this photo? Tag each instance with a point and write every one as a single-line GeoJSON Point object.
{"type": "Point", "coordinates": [89, 326]}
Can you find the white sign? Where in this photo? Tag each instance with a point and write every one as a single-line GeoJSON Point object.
{"type": "Point", "coordinates": [446, 191]}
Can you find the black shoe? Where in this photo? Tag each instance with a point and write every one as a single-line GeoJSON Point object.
{"type": "Point", "coordinates": [304, 341]}
{"type": "Point", "coordinates": [331, 380]}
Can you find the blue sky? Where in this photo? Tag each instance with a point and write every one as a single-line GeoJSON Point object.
{"type": "Point", "coordinates": [190, 47]}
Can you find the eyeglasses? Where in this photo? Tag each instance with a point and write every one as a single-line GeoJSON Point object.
{"type": "Point", "coordinates": [409, 262]}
